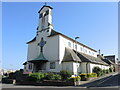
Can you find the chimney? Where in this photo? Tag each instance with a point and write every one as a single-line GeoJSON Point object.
{"type": "Point", "coordinates": [99, 51]}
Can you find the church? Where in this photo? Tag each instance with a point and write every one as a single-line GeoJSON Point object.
{"type": "Point", "coordinates": [51, 51]}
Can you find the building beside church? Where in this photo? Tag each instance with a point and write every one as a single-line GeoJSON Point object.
{"type": "Point", "coordinates": [51, 51]}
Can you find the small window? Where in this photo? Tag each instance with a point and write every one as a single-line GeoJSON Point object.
{"type": "Point", "coordinates": [81, 48]}
{"type": "Point", "coordinates": [25, 67]}
{"type": "Point", "coordinates": [47, 30]}
{"type": "Point", "coordinates": [89, 52]}
{"type": "Point", "coordinates": [37, 27]}
{"type": "Point", "coordinates": [69, 44]}
{"type": "Point", "coordinates": [92, 53]}
{"type": "Point", "coordinates": [47, 12]}
{"type": "Point", "coordinates": [40, 15]}
{"type": "Point", "coordinates": [30, 66]}
{"type": "Point", "coordinates": [52, 65]}
{"type": "Point", "coordinates": [76, 47]}
{"type": "Point", "coordinates": [85, 51]}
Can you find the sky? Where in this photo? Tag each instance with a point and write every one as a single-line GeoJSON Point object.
{"type": "Point", "coordinates": [96, 23]}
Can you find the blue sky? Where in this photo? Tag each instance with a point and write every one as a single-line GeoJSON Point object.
{"type": "Point", "coordinates": [95, 23]}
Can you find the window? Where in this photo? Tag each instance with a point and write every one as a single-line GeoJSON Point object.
{"type": "Point", "coordinates": [81, 48]}
{"type": "Point", "coordinates": [69, 44]}
{"type": "Point", "coordinates": [52, 65]}
{"type": "Point", "coordinates": [37, 27]}
{"type": "Point", "coordinates": [85, 51]}
{"type": "Point", "coordinates": [30, 66]}
{"type": "Point", "coordinates": [47, 30]}
{"type": "Point", "coordinates": [75, 47]}
{"type": "Point", "coordinates": [89, 52]}
{"type": "Point", "coordinates": [40, 15]}
{"type": "Point", "coordinates": [25, 67]}
{"type": "Point", "coordinates": [92, 53]}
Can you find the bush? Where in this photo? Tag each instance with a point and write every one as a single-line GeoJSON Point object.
{"type": "Point", "coordinates": [94, 74]}
{"type": "Point", "coordinates": [98, 71]}
{"type": "Point", "coordinates": [57, 77]}
{"type": "Point", "coordinates": [110, 69]}
{"type": "Point", "coordinates": [91, 75]}
{"type": "Point", "coordinates": [104, 71]}
{"type": "Point", "coordinates": [77, 78]}
{"type": "Point", "coordinates": [7, 80]}
{"type": "Point", "coordinates": [84, 76]}
{"type": "Point", "coordinates": [12, 75]}
{"type": "Point", "coordinates": [107, 71]}
{"type": "Point", "coordinates": [35, 76]}
{"type": "Point", "coordinates": [65, 74]}
{"type": "Point", "coordinates": [19, 75]}
{"type": "Point", "coordinates": [49, 76]}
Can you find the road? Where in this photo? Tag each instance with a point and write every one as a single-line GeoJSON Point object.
{"type": "Point", "coordinates": [113, 81]}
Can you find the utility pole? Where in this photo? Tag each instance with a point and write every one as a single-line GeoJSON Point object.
{"type": "Point", "coordinates": [76, 52]}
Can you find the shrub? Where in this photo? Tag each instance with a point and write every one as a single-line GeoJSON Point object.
{"type": "Point", "coordinates": [94, 74]}
{"type": "Point", "coordinates": [57, 77]}
{"type": "Point", "coordinates": [104, 71]}
{"type": "Point", "coordinates": [49, 76]}
{"type": "Point", "coordinates": [77, 78]}
{"type": "Point", "coordinates": [7, 80]}
{"type": "Point", "coordinates": [91, 75]}
{"type": "Point", "coordinates": [107, 71]}
{"type": "Point", "coordinates": [98, 71]}
{"type": "Point", "coordinates": [35, 76]}
{"type": "Point", "coordinates": [65, 74]}
{"type": "Point", "coordinates": [101, 73]}
{"type": "Point", "coordinates": [19, 75]}
{"type": "Point", "coordinates": [110, 69]}
{"type": "Point", "coordinates": [83, 76]}
{"type": "Point", "coordinates": [12, 75]}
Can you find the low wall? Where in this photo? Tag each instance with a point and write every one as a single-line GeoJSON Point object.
{"type": "Point", "coordinates": [49, 83]}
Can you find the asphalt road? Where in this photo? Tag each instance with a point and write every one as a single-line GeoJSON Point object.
{"type": "Point", "coordinates": [113, 81]}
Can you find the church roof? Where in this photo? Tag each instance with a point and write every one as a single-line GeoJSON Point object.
{"type": "Point", "coordinates": [39, 58]}
{"type": "Point", "coordinates": [53, 33]}
{"type": "Point", "coordinates": [108, 61]}
{"type": "Point", "coordinates": [88, 58]}
{"type": "Point", "coordinates": [45, 6]}
{"type": "Point", "coordinates": [70, 55]}
{"type": "Point", "coordinates": [31, 40]}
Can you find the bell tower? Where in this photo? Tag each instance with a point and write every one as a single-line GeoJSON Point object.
{"type": "Point", "coordinates": [45, 19]}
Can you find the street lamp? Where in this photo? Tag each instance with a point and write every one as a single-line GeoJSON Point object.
{"type": "Point", "coordinates": [76, 50]}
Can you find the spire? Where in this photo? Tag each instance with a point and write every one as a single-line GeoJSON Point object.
{"type": "Point", "coordinates": [45, 4]}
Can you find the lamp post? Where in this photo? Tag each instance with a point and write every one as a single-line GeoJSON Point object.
{"type": "Point", "coordinates": [76, 51]}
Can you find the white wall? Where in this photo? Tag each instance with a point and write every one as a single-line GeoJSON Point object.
{"type": "Point", "coordinates": [64, 43]}
{"type": "Point", "coordinates": [83, 65]}
{"type": "Point", "coordinates": [57, 67]}
{"type": "Point", "coordinates": [76, 67]}
{"type": "Point", "coordinates": [50, 51]}
{"type": "Point", "coordinates": [33, 51]}
{"type": "Point", "coordinates": [97, 65]}
{"type": "Point", "coordinates": [67, 66]}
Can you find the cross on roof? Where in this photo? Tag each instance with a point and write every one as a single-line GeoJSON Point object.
{"type": "Point", "coordinates": [45, 3]}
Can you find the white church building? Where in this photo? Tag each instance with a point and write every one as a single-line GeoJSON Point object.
{"type": "Point", "coordinates": [51, 51]}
